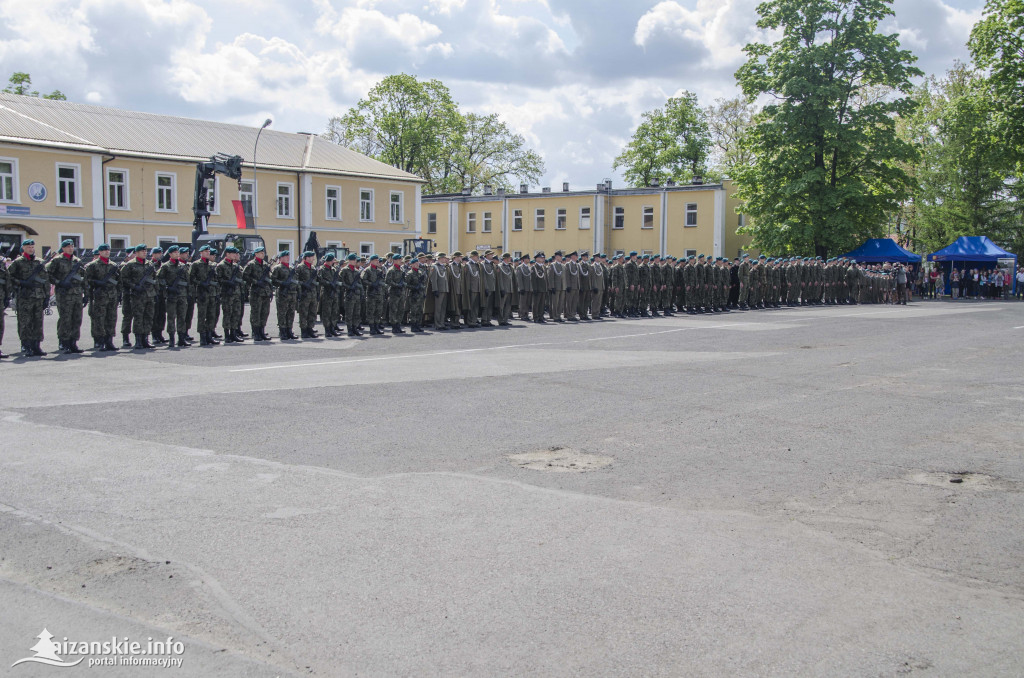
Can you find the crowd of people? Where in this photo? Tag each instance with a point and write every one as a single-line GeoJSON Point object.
{"type": "Point", "coordinates": [172, 292]}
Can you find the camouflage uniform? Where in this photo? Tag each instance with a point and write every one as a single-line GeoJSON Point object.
{"type": "Point", "coordinates": [352, 287]}
{"type": "Point", "coordinates": [282, 277]}
{"type": "Point", "coordinates": [394, 279]}
{"type": "Point", "coordinates": [327, 279]}
{"type": "Point", "coordinates": [66, 275]}
{"type": "Point", "coordinates": [5, 300]}
{"type": "Point", "coordinates": [308, 298]}
{"type": "Point", "coordinates": [373, 282]}
{"type": "Point", "coordinates": [416, 293]}
{"type": "Point", "coordinates": [229, 283]}
{"type": "Point", "coordinates": [202, 275]}
{"type": "Point", "coordinates": [173, 277]}
{"type": "Point", "coordinates": [102, 280]}
{"type": "Point", "coordinates": [256, 276]}
{"type": "Point", "coordinates": [29, 278]}
{"type": "Point", "coordinates": [138, 279]}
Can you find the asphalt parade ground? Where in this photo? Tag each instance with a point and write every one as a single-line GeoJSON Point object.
{"type": "Point", "coordinates": [826, 491]}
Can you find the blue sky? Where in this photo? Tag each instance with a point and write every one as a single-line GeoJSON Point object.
{"type": "Point", "coordinates": [572, 76]}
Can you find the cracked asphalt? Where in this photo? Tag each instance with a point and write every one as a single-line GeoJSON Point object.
{"type": "Point", "coordinates": [777, 502]}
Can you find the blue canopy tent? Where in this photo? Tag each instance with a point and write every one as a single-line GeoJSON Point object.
{"type": "Point", "coordinates": [972, 252]}
{"type": "Point", "coordinates": [881, 250]}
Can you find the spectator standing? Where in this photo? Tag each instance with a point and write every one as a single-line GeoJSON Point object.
{"type": "Point", "coordinates": [954, 282]}
{"type": "Point", "coordinates": [1020, 283]}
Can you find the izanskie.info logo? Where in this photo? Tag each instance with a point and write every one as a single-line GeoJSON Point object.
{"type": "Point", "coordinates": [114, 652]}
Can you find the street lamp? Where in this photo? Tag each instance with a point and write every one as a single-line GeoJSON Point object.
{"type": "Point", "coordinates": [255, 195]}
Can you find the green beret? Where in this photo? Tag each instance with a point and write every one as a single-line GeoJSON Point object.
{"type": "Point", "coordinates": [27, 242]}
{"type": "Point", "coordinates": [103, 247]}
{"type": "Point", "coordinates": [329, 256]}
{"type": "Point", "coordinates": [65, 243]}
{"type": "Point", "coordinates": [183, 250]}
{"type": "Point", "coordinates": [374, 257]}
{"type": "Point", "coordinates": [172, 248]}
{"type": "Point", "coordinates": [308, 253]}
{"type": "Point", "coordinates": [352, 256]}
{"type": "Point", "coordinates": [259, 249]}
{"type": "Point", "coordinates": [204, 248]}
{"type": "Point", "coordinates": [283, 253]}
{"type": "Point", "coordinates": [143, 246]}
{"type": "Point", "coordinates": [157, 250]}
{"type": "Point", "coordinates": [230, 250]}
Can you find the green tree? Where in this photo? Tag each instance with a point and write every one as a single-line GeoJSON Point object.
{"type": "Point", "coordinates": [417, 127]}
{"type": "Point", "coordinates": [19, 83]}
{"type": "Point", "coordinates": [670, 143]}
{"type": "Point", "coordinates": [997, 46]}
{"type": "Point", "coordinates": [728, 121]}
{"type": "Point", "coordinates": [827, 160]}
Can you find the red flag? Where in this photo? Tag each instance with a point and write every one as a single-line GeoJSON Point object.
{"type": "Point", "coordinates": [239, 213]}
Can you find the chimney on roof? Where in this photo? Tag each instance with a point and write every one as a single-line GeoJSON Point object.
{"type": "Point", "coordinates": [601, 186]}
{"type": "Point", "coordinates": [524, 188]}
{"type": "Point", "coordinates": [697, 180]}
{"type": "Point", "coordinates": [501, 190]}
{"type": "Point", "coordinates": [608, 184]}
{"type": "Point", "coordinates": [546, 189]}
{"type": "Point", "coordinates": [487, 189]}
{"type": "Point", "coordinates": [654, 184]}
{"type": "Point", "coordinates": [466, 191]}
{"type": "Point", "coordinates": [670, 182]}
{"type": "Point", "coordinates": [565, 187]}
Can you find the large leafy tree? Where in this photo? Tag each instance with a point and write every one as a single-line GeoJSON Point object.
{"type": "Point", "coordinates": [673, 142]}
{"type": "Point", "coordinates": [21, 83]}
{"type": "Point", "coordinates": [997, 45]}
{"type": "Point", "coordinates": [827, 162]}
{"type": "Point", "coordinates": [417, 126]}
{"type": "Point", "coordinates": [729, 120]}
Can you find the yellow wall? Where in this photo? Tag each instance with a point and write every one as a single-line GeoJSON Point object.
{"type": "Point", "coordinates": [633, 236]}
{"type": "Point", "coordinates": [733, 240]}
{"type": "Point", "coordinates": [681, 237]}
{"type": "Point", "coordinates": [141, 221]}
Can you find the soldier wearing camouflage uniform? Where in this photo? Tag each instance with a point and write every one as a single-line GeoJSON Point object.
{"type": "Point", "coordinates": [5, 300]}
{"type": "Point", "coordinates": [394, 280]}
{"type": "Point", "coordinates": [308, 295]}
{"type": "Point", "coordinates": [373, 284]}
{"type": "Point", "coordinates": [28, 276]}
{"type": "Point", "coordinates": [173, 277]}
{"type": "Point", "coordinates": [352, 285]}
{"type": "Point", "coordinates": [630, 284]}
{"type": "Point", "coordinates": [416, 292]}
{"type": "Point", "coordinates": [101, 279]}
{"type": "Point", "coordinates": [282, 277]}
{"type": "Point", "coordinates": [328, 279]}
{"type": "Point", "coordinates": [202, 275]}
{"type": "Point", "coordinates": [256, 276]}
{"type": "Point", "coordinates": [229, 283]}
{"type": "Point", "coordinates": [65, 272]}
{"type": "Point", "coordinates": [138, 280]}
{"type": "Point", "coordinates": [156, 328]}
{"type": "Point", "coordinates": [504, 283]}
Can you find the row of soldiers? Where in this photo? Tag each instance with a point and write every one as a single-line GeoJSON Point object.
{"type": "Point", "coordinates": [160, 291]}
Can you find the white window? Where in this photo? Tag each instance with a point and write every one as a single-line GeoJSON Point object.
{"type": "Point", "coordinates": [119, 242]}
{"type": "Point", "coordinates": [212, 199]}
{"type": "Point", "coordinates": [9, 180]}
{"type": "Point", "coordinates": [741, 221]}
{"type": "Point", "coordinates": [648, 221]}
{"type": "Point", "coordinates": [517, 255]}
{"type": "Point", "coordinates": [517, 220]}
{"type": "Point", "coordinates": [166, 201]}
{"type": "Point", "coordinates": [538, 219]}
{"type": "Point", "coordinates": [487, 223]}
{"type": "Point", "coordinates": [337, 244]}
{"type": "Point", "coordinates": [396, 207]}
{"type": "Point", "coordinates": [332, 209]}
{"type": "Point", "coordinates": [117, 189]}
{"type": "Point", "coordinates": [584, 217]}
{"type": "Point", "coordinates": [691, 214]}
{"type": "Point", "coordinates": [165, 241]}
{"type": "Point", "coordinates": [432, 222]}
{"type": "Point", "coordinates": [73, 237]}
{"type": "Point", "coordinates": [285, 245]}
{"type": "Point", "coordinates": [67, 185]}
{"type": "Point", "coordinates": [690, 253]}
{"type": "Point", "coordinates": [247, 196]}
{"type": "Point", "coordinates": [471, 222]}
{"type": "Point", "coordinates": [396, 248]}
{"type": "Point", "coordinates": [366, 248]}
{"type": "Point", "coordinates": [284, 200]}
{"type": "Point", "coordinates": [560, 219]}
{"type": "Point", "coordinates": [620, 218]}
{"type": "Point", "coordinates": [365, 204]}
{"type": "Point", "coordinates": [620, 252]}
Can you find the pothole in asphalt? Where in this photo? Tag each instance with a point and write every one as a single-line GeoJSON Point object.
{"type": "Point", "coordinates": [560, 460]}
{"type": "Point", "coordinates": [963, 479]}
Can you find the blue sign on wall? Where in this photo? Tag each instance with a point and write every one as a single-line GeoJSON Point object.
{"type": "Point", "coordinates": [14, 210]}
{"type": "Point", "coordinates": [37, 191]}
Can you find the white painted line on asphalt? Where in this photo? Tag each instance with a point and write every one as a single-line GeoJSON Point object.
{"type": "Point", "coordinates": [1021, 327]}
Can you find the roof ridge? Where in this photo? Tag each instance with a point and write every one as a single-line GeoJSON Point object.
{"type": "Point", "coordinates": [48, 125]}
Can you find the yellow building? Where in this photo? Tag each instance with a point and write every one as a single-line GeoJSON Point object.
{"type": "Point", "coordinates": [95, 174]}
{"type": "Point", "coordinates": [677, 220]}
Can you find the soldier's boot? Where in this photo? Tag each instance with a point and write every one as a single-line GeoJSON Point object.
{"type": "Point", "coordinates": [418, 329]}
{"type": "Point", "coordinates": [203, 341]}
{"type": "Point", "coordinates": [189, 338]}
{"type": "Point", "coordinates": [74, 347]}
{"type": "Point", "coordinates": [139, 343]}
{"type": "Point", "coordinates": [283, 334]}
{"type": "Point", "coordinates": [126, 340]}
{"type": "Point", "coordinates": [99, 343]}
{"type": "Point", "coordinates": [3, 355]}
{"type": "Point", "coordinates": [38, 350]}
{"type": "Point", "coordinates": [353, 333]}
{"type": "Point", "coordinates": [212, 337]}
{"type": "Point", "coordinates": [239, 337]}
{"type": "Point", "coordinates": [303, 332]}
{"type": "Point", "coordinates": [109, 345]}
{"type": "Point", "coordinates": [182, 343]}
{"type": "Point", "coordinates": [229, 338]}
{"type": "Point", "coordinates": [397, 329]}
{"type": "Point", "coordinates": [329, 331]}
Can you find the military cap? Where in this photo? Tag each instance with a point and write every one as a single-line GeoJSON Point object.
{"type": "Point", "coordinates": [584, 253]}
{"type": "Point", "coordinates": [329, 256]}
{"type": "Point", "coordinates": [633, 253]}
{"type": "Point", "coordinates": [182, 249]}
{"type": "Point", "coordinates": [230, 250]}
{"type": "Point", "coordinates": [157, 250]}
{"type": "Point", "coordinates": [762, 257]}
{"type": "Point", "coordinates": [172, 248]}
{"type": "Point", "coordinates": [308, 253]}
{"type": "Point", "coordinates": [284, 253]}
{"type": "Point", "coordinates": [206, 248]}
{"type": "Point", "coordinates": [27, 242]}
{"type": "Point", "coordinates": [423, 255]}
{"type": "Point", "coordinates": [574, 253]}
{"type": "Point", "coordinates": [352, 257]}
{"type": "Point", "coordinates": [141, 248]}
{"type": "Point", "coordinates": [101, 248]}
{"type": "Point", "coordinates": [407, 257]}
{"type": "Point", "coordinates": [538, 253]}
{"type": "Point", "coordinates": [441, 254]}
{"type": "Point", "coordinates": [457, 253]}
{"type": "Point", "coordinates": [700, 256]}
{"type": "Point", "coordinates": [557, 253]}
{"type": "Point", "coordinates": [506, 255]}
{"type": "Point", "coordinates": [474, 253]}
{"type": "Point", "coordinates": [259, 249]}
{"type": "Point", "coordinates": [65, 243]}
{"type": "Point", "coordinates": [374, 257]}
{"type": "Point", "coordinates": [489, 252]}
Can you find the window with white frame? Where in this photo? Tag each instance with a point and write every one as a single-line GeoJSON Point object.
{"type": "Point", "coordinates": [119, 242]}
{"type": "Point", "coordinates": [365, 204]}
{"type": "Point", "coordinates": [431, 222]}
{"type": "Point", "coordinates": [396, 248]}
{"type": "Point", "coordinates": [560, 216]}
{"type": "Point", "coordinates": [366, 248]}
{"type": "Point", "coordinates": [165, 198]}
{"type": "Point", "coordinates": [691, 214]}
{"type": "Point", "coordinates": [212, 202]}
{"type": "Point", "coordinates": [284, 200]}
{"type": "Point", "coordinates": [67, 185]}
{"type": "Point", "coordinates": [690, 253]}
{"type": "Point", "coordinates": [8, 180]}
{"type": "Point", "coordinates": [620, 218]}
{"type": "Point", "coordinates": [471, 222]}
{"type": "Point", "coordinates": [73, 237]}
{"type": "Point", "coordinates": [332, 208]}
{"type": "Point", "coordinates": [285, 246]}
{"type": "Point", "coordinates": [648, 221]}
{"type": "Point", "coordinates": [517, 255]}
{"type": "Point", "coordinates": [538, 219]}
{"type": "Point", "coordinates": [117, 189]}
{"type": "Point", "coordinates": [487, 223]}
{"type": "Point", "coordinates": [165, 241]}
{"type": "Point", "coordinates": [395, 204]}
{"type": "Point", "coordinates": [741, 222]}
{"type": "Point", "coordinates": [584, 217]}
{"type": "Point", "coordinates": [247, 196]}
{"type": "Point", "coordinates": [517, 220]}
{"type": "Point", "coordinates": [620, 252]}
